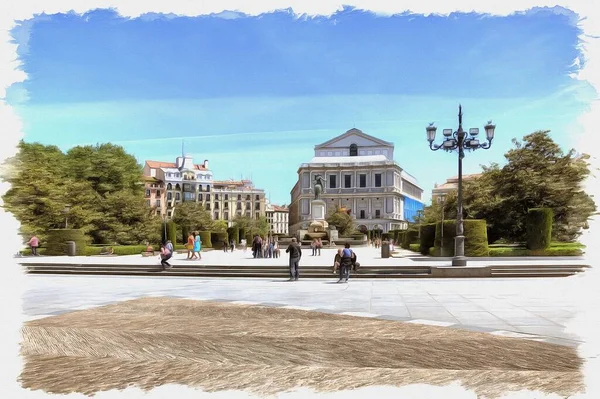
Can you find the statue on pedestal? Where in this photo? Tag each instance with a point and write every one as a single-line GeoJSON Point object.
{"type": "Point", "coordinates": [318, 185]}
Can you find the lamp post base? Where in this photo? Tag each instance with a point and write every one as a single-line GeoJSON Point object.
{"type": "Point", "coordinates": [459, 261]}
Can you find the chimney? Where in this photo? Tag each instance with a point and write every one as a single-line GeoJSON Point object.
{"type": "Point", "coordinates": [205, 164]}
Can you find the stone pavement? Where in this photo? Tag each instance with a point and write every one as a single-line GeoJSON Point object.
{"type": "Point", "coordinates": [524, 308]}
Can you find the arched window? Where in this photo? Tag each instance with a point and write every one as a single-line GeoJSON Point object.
{"type": "Point", "coordinates": [353, 150]}
{"type": "Point", "coordinates": [169, 186]}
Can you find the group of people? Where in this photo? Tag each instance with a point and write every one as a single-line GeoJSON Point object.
{"type": "Point", "coordinates": [316, 246]}
{"type": "Point", "coordinates": [194, 246]}
{"type": "Point", "coordinates": [343, 262]}
{"type": "Point", "coordinates": [267, 248]}
{"type": "Point", "coordinates": [228, 246]}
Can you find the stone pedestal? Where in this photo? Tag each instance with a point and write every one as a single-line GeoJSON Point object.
{"type": "Point", "coordinates": [317, 210]}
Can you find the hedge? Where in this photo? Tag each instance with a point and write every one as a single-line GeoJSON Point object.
{"type": "Point", "coordinates": [414, 247]}
{"type": "Point", "coordinates": [475, 232]}
{"type": "Point", "coordinates": [56, 241]}
{"type": "Point", "coordinates": [234, 234]}
{"type": "Point", "coordinates": [217, 239]}
{"type": "Point", "coordinates": [171, 231]}
{"type": "Point", "coordinates": [539, 228]}
{"type": "Point", "coordinates": [427, 237]}
{"type": "Point", "coordinates": [185, 233]}
{"type": "Point", "coordinates": [205, 237]}
{"type": "Point", "coordinates": [410, 237]}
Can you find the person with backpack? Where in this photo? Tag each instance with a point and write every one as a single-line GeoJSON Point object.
{"type": "Point", "coordinates": [295, 254]}
{"type": "Point", "coordinates": [165, 255]}
{"type": "Point", "coordinates": [346, 262]}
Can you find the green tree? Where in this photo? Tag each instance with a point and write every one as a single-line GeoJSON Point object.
{"type": "Point", "coordinates": [251, 226]}
{"type": "Point", "coordinates": [537, 174]}
{"type": "Point", "coordinates": [193, 216]}
{"type": "Point", "coordinates": [219, 226]}
{"type": "Point", "coordinates": [342, 221]}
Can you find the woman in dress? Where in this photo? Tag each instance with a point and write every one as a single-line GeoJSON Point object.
{"type": "Point", "coordinates": [197, 246]}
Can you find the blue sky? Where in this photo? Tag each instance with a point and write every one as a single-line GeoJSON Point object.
{"type": "Point", "coordinates": [253, 95]}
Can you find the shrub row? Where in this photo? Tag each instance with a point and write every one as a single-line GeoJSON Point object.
{"type": "Point", "coordinates": [415, 247]}
{"type": "Point", "coordinates": [475, 232]}
{"type": "Point", "coordinates": [56, 241]}
{"type": "Point", "coordinates": [539, 228]}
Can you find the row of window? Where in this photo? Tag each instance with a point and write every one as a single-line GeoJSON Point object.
{"type": "Point", "coordinates": [177, 174]}
{"type": "Point", "coordinates": [362, 181]}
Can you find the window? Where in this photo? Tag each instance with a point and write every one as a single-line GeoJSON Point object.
{"type": "Point", "coordinates": [362, 180]}
{"type": "Point", "coordinates": [248, 205]}
{"type": "Point", "coordinates": [226, 197]}
{"type": "Point", "coordinates": [199, 197]}
{"type": "Point", "coordinates": [216, 215]}
{"type": "Point", "coordinates": [239, 206]}
{"type": "Point", "coordinates": [170, 213]}
{"type": "Point", "coordinates": [239, 197]}
{"type": "Point", "coordinates": [169, 196]}
{"type": "Point", "coordinates": [158, 203]}
{"type": "Point", "coordinates": [247, 198]}
{"type": "Point", "coordinates": [208, 206]}
{"type": "Point", "coordinates": [258, 198]}
{"type": "Point", "coordinates": [147, 193]}
{"type": "Point", "coordinates": [257, 206]}
{"type": "Point", "coordinates": [148, 202]}
{"type": "Point", "coordinates": [207, 189]}
{"type": "Point", "coordinates": [216, 205]}
{"type": "Point", "coordinates": [226, 216]}
{"type": "Point", "coordinates": [362, 214]}
{"type": "Point", "coordinates": [248, 214]}
{"type": "Point", "coordinates": [189, 196]}
{"type": "Point", "coordinates": [208, 197]}
{"type": "Point", "coordinates": [226, 205]}
{"type": "Point", "coordinates": [216, 197]}
{"type": "Point", "coordinates": [332, 181]}
{"type": "Point", "coordinates": [200, 187]}
{"type": "Point", "coordinates": [177, 196]}
{"type": "Point", "coordinates": [377, 213]}
{"type": "Point", "coordinates": [158, 193]}
{"type": "Point", "coordinates": [347, 181]}
{"type": "Point", "coordinates": [169, 186]}
{"type": "Point", "coordinates": [353, 150]}
{"type": "Point", "coordinates": [257, 215]}
{"type": "Point", "coordinates": [377, 179]}
{"type": "Point", "coordinates": [177, 187]}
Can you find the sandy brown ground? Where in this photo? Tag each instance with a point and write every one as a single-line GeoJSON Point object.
{"type": "Point", "coordinates": [219, 346]}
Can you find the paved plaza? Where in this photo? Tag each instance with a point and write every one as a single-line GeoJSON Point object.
{"type": "Point", "coordinates": [529, 308]}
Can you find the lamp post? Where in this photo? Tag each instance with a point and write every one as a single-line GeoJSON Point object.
{"type": "Point", "coordinates": [460, 140]}
{"type": "Point", "coordinates": [442, 200]}
{"type": "Point", "coordinates": [66, 212]}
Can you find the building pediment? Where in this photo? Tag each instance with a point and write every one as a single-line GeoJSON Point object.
{"type": "Point", "coordinates": [353, 136]}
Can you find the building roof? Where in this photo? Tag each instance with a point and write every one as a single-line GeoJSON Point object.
{"type": "Point", "coordinates": [172, 165]}
{"type": "Point", "coordinates": [278, 208]}
{"type": "Point", "coordinates": [355, 159]}
{"type": "Point", "coordinates": [151, 179]}
{"type": "Point", "coordinates": [351, 132]}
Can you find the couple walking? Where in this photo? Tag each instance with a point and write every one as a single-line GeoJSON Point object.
{"type": "Point", "coordinates": [194, 246]}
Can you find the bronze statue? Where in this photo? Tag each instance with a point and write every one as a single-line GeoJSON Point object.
{"type": "Point", "coordinates": [319, 184]}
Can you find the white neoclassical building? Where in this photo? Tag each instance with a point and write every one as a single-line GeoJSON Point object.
{"type": "Point", "coordinates": [361, 176]}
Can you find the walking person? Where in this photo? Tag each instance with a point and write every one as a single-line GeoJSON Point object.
{"type": "Point", "coordinates": [190, 245]}
{"type": "Point", "coordinates": [313, 246]}
{"type": "Point", "coordinates": [197, 246]}
{"type": "Point", "coordinates": [319, 246]}
{"type": "Point", "coordinates": [33, 243]}
{"type": "Point", "coordinates": [346, 263]}
{"type": "Point", "coordinates": [276, 249]}
{"type": "Point", "coordinates": [225, 245]}
{"type": "Point", "coordinates": [165, 255]}
{"type": "Point", "coordinates": [232, 245]}
{"type": "Point", "coordinates": [295, 254]}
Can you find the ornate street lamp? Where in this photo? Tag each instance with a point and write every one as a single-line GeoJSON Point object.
{"type": "Point", "coordinates": [66, 211]}
{"type": "Point", "coordinates": [460, 140]}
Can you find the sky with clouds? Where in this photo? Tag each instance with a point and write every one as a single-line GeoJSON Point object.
{"type": "Point", "coordinates": [253, 95]}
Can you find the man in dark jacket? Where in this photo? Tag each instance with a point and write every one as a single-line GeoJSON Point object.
{"type": "Point", "coordinates": [295, 254]}
{"type": "Point", "coordinates": [347, 259]}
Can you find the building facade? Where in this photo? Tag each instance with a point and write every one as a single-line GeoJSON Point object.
{"type": "Point", "coordinates": [361, 176]}
{"type": "Point", "coordinates": [451, 185]}
{"type": "Point", "coordinates": [278, 218]}
{"type": "Point", "coordinates": [168, 184]}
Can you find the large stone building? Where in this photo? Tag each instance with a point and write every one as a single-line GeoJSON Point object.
{"type": "Point", "coordinates": [278, 218]}
{"type": "Point", "coordinates": [168, 184]}
{"type": "Point", "coordinates": [361, 176]}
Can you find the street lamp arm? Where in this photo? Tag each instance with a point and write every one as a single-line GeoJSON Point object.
{"type": "Point", "coordinates": [434, 147]}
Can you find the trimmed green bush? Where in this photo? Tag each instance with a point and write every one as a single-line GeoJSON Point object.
{"type": "Point", "coordinates": [539, 228]}
{"type": "Point", "coordinates": [205, 237]}
{"type": "Point", "coordinates": [234, 234]}
{"type": "Point", "coordinates": [475, 232]}
{"type": "Point", "coordinates": [217, 239]}
{"type": "Point", "coordinates": [410, 237]}
{"type": "Point", "coordinates": [427, 237]}
{"type": "Point", "coordinates": [185, 233]}
{"type": "Point", "coordinates": [414, 247]}
{"type": "Point", "coordinates": [171, 230]}
{"type": "Point", "coordinates": [56, 241]}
